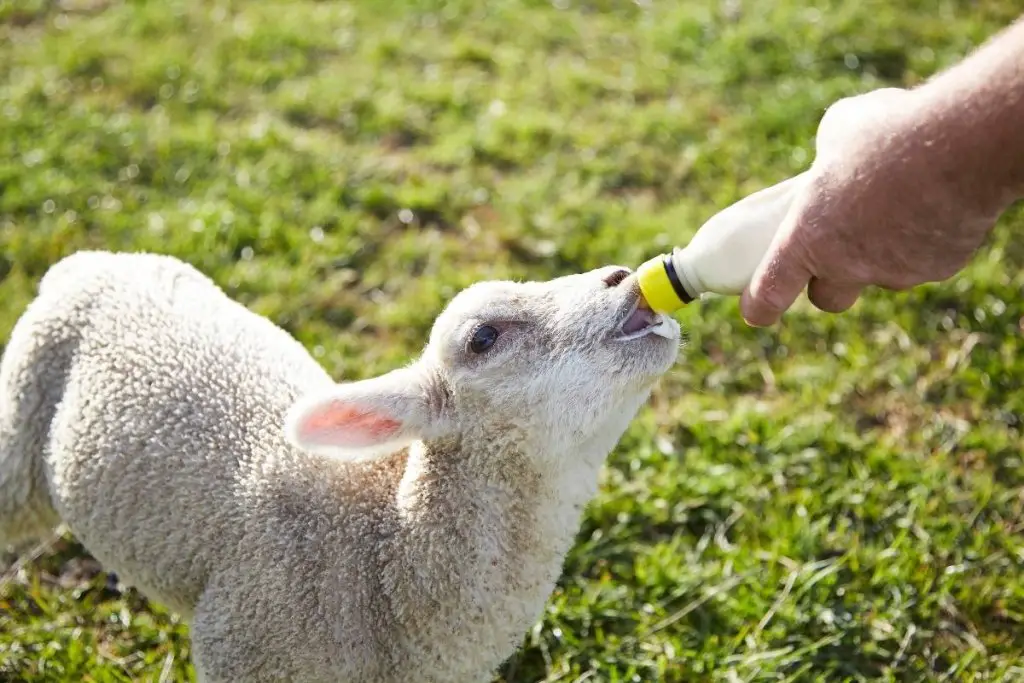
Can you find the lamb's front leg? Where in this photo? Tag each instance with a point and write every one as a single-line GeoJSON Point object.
{"type": "Point", "coordinates": [271, 623]}
{"type": "Point", "coordinates": [214, 655]}
{"type": "Point", "coordinates": [228, 638]}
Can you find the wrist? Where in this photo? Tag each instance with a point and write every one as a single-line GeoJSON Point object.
{"type": "Point", "coordinates": [970, 117]}
{"type": "Point", "coordinates": [958, 159]}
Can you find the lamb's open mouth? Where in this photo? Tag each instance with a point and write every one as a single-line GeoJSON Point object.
{"type": "Point", "coordinates": [642, 321]}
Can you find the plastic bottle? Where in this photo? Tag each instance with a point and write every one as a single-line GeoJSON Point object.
{"type": "Point", "coordinates": [723, 255]}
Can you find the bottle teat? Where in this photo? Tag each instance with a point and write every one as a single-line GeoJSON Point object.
{"type": "Point", "coordinates": [724, 254]}
{"type": "Point", "coordinates": [661, 286]}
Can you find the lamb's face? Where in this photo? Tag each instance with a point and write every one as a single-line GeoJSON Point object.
{"type": "Point", "coordinates": [564, 364]}
{"type": "Point", "coordinates": [557, 359]}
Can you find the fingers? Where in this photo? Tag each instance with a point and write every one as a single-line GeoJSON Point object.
{"type": "Point", "coordinates": [808, 239]}
{"type": "Point", "coordinates": [831, 297]}
{"type": "Point", "coordinates": [774, 288]}
{"type": "Point", "coordinates": [773, 298]}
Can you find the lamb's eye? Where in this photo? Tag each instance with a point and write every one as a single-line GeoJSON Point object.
{"type": "Point", "coordinates": [483, 339]}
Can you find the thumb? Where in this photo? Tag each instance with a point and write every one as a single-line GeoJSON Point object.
{"type": "Point", "coordinates": [778, 280]}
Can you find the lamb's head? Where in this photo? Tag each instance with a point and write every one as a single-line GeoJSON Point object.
{"type": "Point", "coordinates": [558, 366]}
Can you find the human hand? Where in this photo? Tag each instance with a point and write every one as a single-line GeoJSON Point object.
{"type": "Point", "coordinates": [880, 207]}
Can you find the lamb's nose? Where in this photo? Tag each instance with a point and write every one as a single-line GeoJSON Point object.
{"type": "Point", "coordinates": [615, 278]}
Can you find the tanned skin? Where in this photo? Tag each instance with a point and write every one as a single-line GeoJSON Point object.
{"type": "Point", "coordinates": [905, 186]}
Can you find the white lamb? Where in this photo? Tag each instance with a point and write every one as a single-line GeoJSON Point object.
{"type": "Point", "coordinates": [404, 528]}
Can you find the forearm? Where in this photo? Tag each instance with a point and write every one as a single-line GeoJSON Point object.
{"type": "Point", "coordinates": [972, 116]}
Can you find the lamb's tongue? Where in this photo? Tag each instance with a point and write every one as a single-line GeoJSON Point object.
{"type": "Point", "coordinates": [641, 318]}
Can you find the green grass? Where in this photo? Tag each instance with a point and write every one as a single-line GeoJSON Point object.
{"type": "Point", "coordinates": [835, 499]}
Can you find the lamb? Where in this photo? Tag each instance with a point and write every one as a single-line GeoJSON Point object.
{"type": "Point", "coordinates": [408, 527]}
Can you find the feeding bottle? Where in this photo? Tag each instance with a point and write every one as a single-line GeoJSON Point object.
{"type": "Point", "coordinates": [723, 255]}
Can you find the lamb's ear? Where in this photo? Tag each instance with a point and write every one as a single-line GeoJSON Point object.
{"type": "Point", "coordinates": [360, 420]}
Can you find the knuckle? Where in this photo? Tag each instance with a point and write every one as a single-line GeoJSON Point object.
{"type": "Point", "coordinates": [846, 118]}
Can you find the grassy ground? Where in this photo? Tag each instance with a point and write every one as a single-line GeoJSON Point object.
{"type": "Point", "coordinates": [835, 499]}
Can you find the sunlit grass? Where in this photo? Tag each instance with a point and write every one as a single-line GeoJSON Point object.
{"type": "Point", "coordinates": [835, 499]}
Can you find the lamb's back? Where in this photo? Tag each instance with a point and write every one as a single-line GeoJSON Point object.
{"type": "Point", "coordinates": [169, 430]}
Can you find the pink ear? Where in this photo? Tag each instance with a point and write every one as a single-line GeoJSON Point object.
{"type": "Point", "coordinates": [365, 419]}
{"type": "Point", "coordinates": [346, 425]}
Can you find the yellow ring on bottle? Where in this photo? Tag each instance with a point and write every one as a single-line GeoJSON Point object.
{"type": "Point", "coordinates": [657, 288]}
